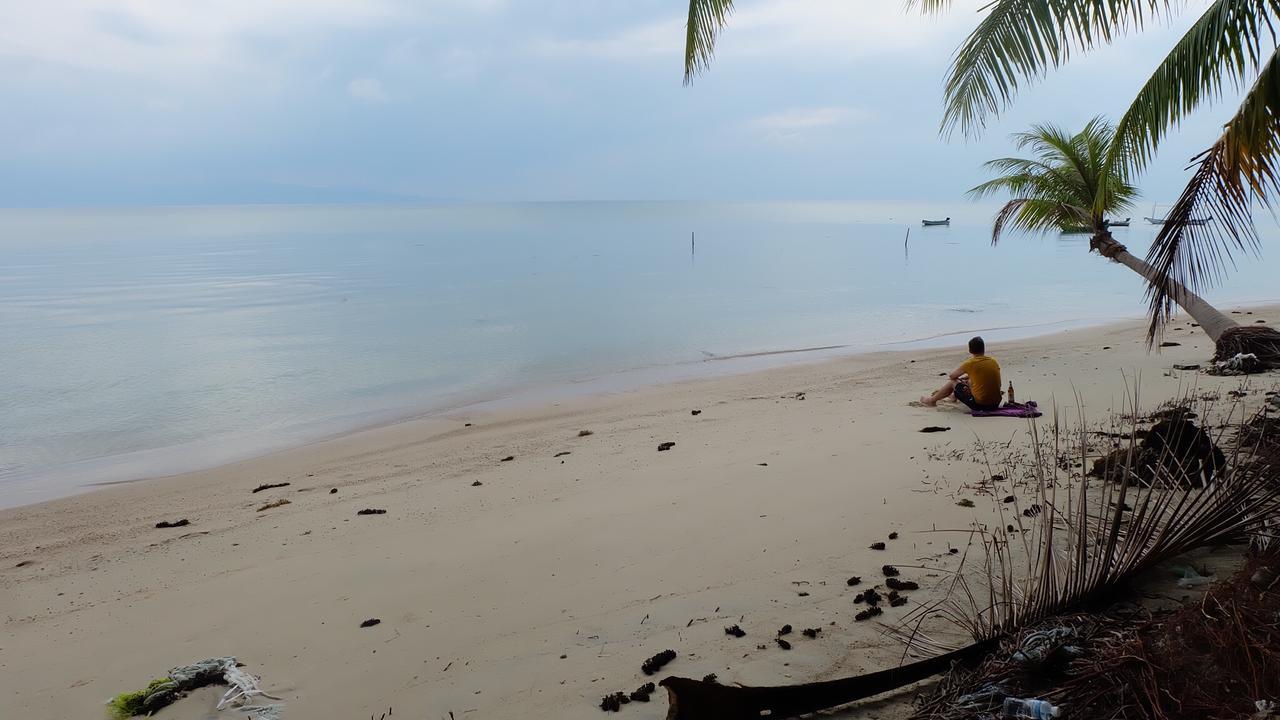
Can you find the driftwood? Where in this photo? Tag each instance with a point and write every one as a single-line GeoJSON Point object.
{"type": "Point", "coordinates": [699, 700]}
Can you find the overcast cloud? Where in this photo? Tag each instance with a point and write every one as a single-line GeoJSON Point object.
{"type": "Point", "coordinates": [188, 101]}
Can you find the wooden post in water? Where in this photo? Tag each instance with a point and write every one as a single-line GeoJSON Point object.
{"type": "Point", "coordinates": [693, 244]}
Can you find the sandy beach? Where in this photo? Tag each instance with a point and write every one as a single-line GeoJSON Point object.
{"type": "Point", "coordinates": [529, 587]}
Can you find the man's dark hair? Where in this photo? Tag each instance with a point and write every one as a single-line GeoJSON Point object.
{"type": "Point", "coordinates": [977, 347]}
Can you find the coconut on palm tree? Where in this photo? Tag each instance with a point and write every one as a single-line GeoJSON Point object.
{"type": "Point", "coordinates": [1075, 182]}
{"type": "Point", "coordinates": [1231, 45]}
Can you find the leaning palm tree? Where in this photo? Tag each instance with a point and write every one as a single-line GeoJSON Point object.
{"type": "Point", "coordinates": [1231, 46]}
{"type": "Point", "coordinates": [1075, 182]}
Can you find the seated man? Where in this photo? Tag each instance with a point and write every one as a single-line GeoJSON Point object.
{"type": "Point", "coordinates": [975, 383]}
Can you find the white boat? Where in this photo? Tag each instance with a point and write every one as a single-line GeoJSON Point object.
{"type": "Point", "coordinates": [1190, 221]}
{"type": "Point", "coordinates": [1162, 220]}
{"type": "Point", "coordinates": [1118, 223]}
{"type": "Point", "coordinates": [934, 223]}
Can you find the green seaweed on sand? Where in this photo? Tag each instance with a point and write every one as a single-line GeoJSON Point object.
{"type": "Point", "coordinates": [131, 704]}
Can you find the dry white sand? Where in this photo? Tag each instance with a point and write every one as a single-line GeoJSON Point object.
{"type": "Point", "coordinates": [530, 588]}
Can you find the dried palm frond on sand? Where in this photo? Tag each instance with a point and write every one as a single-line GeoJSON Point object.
{"type": "Point", "coordinates": [1218, 657]}
{"type": "Point", "coordinates": [1085, 542]}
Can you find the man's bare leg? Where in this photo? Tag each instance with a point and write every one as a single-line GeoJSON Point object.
{"type": "Point", "coordinates": [943, 393]}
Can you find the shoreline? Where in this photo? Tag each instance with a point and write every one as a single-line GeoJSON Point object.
{"type": "Point", "coordinates": [28, 488]}
{"type": "Point", "coordinates": [535, 585]}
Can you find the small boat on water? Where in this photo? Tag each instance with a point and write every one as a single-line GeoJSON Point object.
{"type": "Point", "coordinates": [934, 223]}
{"type": "Point", "coordinates": [1118, 223]}
{"type": "Point", "coordinates": [1154, 220]}
{"type": "Point", "coordinates": [1190, 221]}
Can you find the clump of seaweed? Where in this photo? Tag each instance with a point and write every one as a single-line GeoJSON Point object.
{"type": "Point", "coordinates": [131, 704]}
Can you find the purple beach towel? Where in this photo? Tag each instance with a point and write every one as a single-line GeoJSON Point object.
{"type": "Point", "coordinates": [1028, 409]}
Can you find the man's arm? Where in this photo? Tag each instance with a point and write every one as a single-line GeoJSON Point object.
{"type": "Point", "coordinates": [958, 373]}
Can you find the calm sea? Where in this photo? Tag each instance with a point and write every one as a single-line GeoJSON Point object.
{"type": "Point", "coordinates": [151, 341]}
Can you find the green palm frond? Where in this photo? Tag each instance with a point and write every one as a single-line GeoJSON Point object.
{"type": "Point", "coordinates": [706, 19]}
{"type": "Point", "coordinates": [1036, 216]}
{"type": "Point", "coordinates": [1018, 41]}
{"type": "Point", "coordinates": [1071, 181]}
{"type": "Point", "coordinates": [1242, 167]}
{"type": "Point", "coordinates": [1221, 51]}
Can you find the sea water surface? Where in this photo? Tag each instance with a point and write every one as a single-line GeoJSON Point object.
{"type": "Point", "coordinates": [139, 342]}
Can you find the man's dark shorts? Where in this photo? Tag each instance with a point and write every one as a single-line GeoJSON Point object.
{"type": "Point", "coordinates": [965, 395]}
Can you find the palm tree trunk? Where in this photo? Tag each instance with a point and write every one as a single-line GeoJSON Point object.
{"type": "Point", "coordinates": [1211, 320]}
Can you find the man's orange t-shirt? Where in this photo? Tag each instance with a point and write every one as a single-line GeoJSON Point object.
{"type": "Point", "coordinates": [984, 378]}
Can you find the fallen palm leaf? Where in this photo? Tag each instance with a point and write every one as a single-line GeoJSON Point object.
{"type": "Point", "coordinates": [1088, 547]}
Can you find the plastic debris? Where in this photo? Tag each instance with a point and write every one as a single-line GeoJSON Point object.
{"type": "Point", "coordinates": [1038, 647]}
{"type": "Point", "coordinates": [1190, 577]}
{"type": "Point", "coordinates": [214, 671]}
{"type": "Point", "coordinates": [1030, 709]}
{"type": "Point", "coordinates": [1241, 364]}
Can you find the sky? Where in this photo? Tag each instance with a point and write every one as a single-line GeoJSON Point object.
{"type": "Point", "coordinates": [140, 102]}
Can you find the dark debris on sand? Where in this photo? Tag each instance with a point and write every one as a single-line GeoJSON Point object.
{"type": "Point", "coordinates": [177, 524]}
{"type": "Point", "coordinates": [853, 581]}
{"type": "Point", "coordinates": [371, 511]}
{"type": "Point", "coordinates": [785, 630]}
{"type": "Point", "coordinates": [868, 614]}
{"type": "Point", "coordinates": [642, 693]}
{"type": "Point", "coordinates": [508, 458]}
{"type": "Point", "coordinates": [655, 663]}
{"type": "Point", "coordinates": [877, 546]}
{"type": "Point", "coordinates": [934, 429]}
{"type": "Point", "coordinates": [370, 623]}
{"type": "Point", "coordinates": [269, 486]}
{"type": "Point", "coordinates": [811, 633]}
{"type": "Point", "coordinates": [890, 571]}
{"type": "Point", "coordinates": [894, 583]}
{"type": "Point", "coordinates": [735, 631]}
{"type": "Point", "coordinates": [663, 447]}
{"type": "Point", "coordinates": [870, 597]}
{"type": "Point", "coordinates": [1175, 445]}
{"type": "Point", "coordinates": [614, 702]}
{"type": "Point", "coordinates": [782, 643]}
{"type": "Point", "coordinates": [893, 536]}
